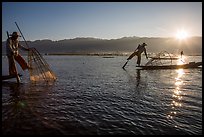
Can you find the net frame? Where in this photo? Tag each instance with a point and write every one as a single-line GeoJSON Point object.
{"type": "Point", "coordinates": [158, 60]}
{"type": "Point", "coordinates": [40, 70]}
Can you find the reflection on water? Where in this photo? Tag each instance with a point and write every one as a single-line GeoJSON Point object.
{"type": "Point", "coordinates": [137, 81]}
{"type": "Point", "coordinates": [16, 101]}
{"type": "Point", "coordinates": [181, 60]}
{"type": "Point", "coordinates": [94, 95]}
{"type": "Point", "coordinates": [177, 95]}
{"type": "Point", "coordinates": [23, 106]}
{"type": "Point", "coordinates": [138, 77]}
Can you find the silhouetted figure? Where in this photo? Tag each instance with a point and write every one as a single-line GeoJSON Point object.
{"type": "Point", "coordinates": [140, 49]}
{"type": "Point", "coordinates": [138, 52]}
{"type": "Point", "coordinates": [181, 54]}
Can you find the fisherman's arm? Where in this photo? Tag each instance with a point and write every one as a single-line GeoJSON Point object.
{"type": "Point", "coordinates": [145, 53]}
{"type": "Point", "coordinates": [137, 48]}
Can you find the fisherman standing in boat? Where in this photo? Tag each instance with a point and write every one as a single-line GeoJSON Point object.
{"type": "Point", "coordinates": [12, 45]}
{"type": "Point", "coordinates": [181, 54]}
{"type": "Point", "coordinates": [139, 50]}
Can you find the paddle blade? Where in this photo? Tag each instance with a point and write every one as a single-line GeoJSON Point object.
{"type": "Point", "coordinates": [125, 64]}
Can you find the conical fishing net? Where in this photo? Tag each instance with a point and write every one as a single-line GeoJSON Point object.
{"type": "Point", "coordinates": [160, 59]}
{"type": "Point", "coordinates": [40, 70]}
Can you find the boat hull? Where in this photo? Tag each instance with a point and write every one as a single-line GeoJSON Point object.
{"type": "Point", "coordinates": [6, 77]}
{"type": "Point", "coordinates": [183, 66]}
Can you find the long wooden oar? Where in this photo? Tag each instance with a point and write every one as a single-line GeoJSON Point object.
{"type": "Point", "coordinates": [125, 64]}
{"type": "Point", "coordinates": [22, 35]}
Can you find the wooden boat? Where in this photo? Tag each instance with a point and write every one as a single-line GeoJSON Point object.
{"type": "Point", "coordinates": [183, 66]}
{"type": "Point", "coordinates": [6, 77]}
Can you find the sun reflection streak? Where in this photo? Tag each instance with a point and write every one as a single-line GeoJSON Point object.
{"type": "Point", "coordinates": [180, 72]}
{"type": "Point", "coordinates": [177, 95]}
{"type": "Point", "coordinates": [181, 60]}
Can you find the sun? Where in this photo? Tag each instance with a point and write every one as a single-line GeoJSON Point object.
{"type": "Point", "coordinates": [182, 34]}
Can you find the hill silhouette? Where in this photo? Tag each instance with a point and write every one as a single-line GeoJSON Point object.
{"type": "Point", "coordinates": [192, 46]}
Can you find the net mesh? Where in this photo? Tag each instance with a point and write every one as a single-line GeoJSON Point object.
{"type": "Point", "coordinates": [40, 70]}
{"type": "Point", "coordinates": [160, 59]}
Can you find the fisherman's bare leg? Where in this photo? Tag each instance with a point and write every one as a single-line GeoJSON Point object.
{"type": "Point", "coordinates": [22, 62]}
{"type": "Point", "coordinates": [12, 68]}
{"type": "Point", "coordinates": [138, 60]}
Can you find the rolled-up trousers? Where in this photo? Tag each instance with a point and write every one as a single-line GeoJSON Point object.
{"type": "Point", "coordinates": [12, 66]}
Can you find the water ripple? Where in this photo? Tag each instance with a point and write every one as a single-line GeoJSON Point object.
{"type": "Point", "coordinates": [94, 96]}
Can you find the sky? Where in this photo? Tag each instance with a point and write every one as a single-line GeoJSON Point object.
{"type": "Point", "coordinates": [104, 20]}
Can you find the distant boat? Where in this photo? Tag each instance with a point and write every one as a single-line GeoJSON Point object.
{"type": "Point", "coordinates": [108, 57]}
{"type": "Point", "coordinates": [183, 66]}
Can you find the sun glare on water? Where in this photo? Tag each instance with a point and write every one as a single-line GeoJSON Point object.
{"type": "Point", "coordinates": [182, 35]}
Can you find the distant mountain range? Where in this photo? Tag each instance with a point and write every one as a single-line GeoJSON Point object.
{"type": "Point", "coordinates": [191, 46]}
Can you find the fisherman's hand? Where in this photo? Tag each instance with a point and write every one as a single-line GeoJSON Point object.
{"type": "Point", "coordinates": [15, 53]}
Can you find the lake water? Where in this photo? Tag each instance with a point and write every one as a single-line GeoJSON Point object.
{"type": "Point", "coordinates": [94, 95]}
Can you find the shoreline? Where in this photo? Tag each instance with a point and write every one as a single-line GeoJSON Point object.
{"type": "Point", "coordinates": [90, 54]}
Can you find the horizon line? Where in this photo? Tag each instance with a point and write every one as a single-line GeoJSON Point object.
{"type": "Point", "coordinates": [89, 37]}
